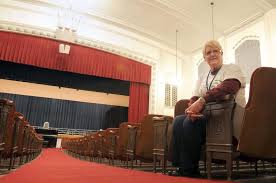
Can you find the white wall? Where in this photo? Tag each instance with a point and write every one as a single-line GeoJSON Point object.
{"type": "Point", "coordinates": [167, 73]}
{"type": "Point", "coordinates": [270, 37]}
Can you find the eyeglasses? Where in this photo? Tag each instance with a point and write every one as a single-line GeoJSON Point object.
{"type": "Point", "coordinates": [215, 52]}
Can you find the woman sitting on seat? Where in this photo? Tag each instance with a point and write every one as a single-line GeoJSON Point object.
{"type": "Point", "coordinates": [189, 129]}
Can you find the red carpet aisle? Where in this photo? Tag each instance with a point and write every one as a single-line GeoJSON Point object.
{"type": "Point", "coordinates": [53, 166]}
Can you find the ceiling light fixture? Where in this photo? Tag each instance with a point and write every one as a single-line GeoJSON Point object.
{"type": "Point", "coordinates": [68, 20]}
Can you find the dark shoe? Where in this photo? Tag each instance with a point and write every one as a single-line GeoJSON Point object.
{"type": "Point", "coordinates": [194, 173]}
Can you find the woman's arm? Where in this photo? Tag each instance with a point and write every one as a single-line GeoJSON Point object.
{"type": "Point", "coordinates": [228, 86]}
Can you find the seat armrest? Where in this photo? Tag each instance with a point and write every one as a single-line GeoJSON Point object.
{"type": "Point", "coordinates": [132, 126]}
{"type": "Point", "coordinates": [219, 127]}
{"type": "Point", "coordinates": [226, 98]}
{"type": "Point", "coordinates": [114, 131]}
{"type": "Point", "coordinates": [227, 102]}
{"type": "Point", "coordinates": [162, 118]}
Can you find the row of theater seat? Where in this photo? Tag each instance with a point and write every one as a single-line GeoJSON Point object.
{"type": "Point", "coordinates": [146, 141]}
{"type": "Point", "coordinates": [18, 138]}
{"type": "Point", "coordinates": [129, 142]}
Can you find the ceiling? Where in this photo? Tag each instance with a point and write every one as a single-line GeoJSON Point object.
{"type": "Point", "coordinates": [158, 20]}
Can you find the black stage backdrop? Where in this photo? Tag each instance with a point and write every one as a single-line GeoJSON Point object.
{"type": "Point", "coordinates": [68, 114]}
{"type": "Point", "coordinates": [32, 74]}
{"type": "Point", "coordinates": [65, 113]}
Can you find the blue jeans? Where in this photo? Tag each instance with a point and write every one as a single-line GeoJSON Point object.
{"type": "Point", "coordinates": [188, 137]}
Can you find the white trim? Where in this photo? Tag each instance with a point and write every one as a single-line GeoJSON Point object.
{"type": "Point", "coordinates": [245, 38]}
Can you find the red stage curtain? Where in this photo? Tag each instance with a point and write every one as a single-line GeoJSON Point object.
{"type": "Point", "coordinates": [43, 52]}
{"type": "Point", "coordinates": [138, 101]}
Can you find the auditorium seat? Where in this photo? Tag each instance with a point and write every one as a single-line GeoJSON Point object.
{"type": "Point", "coordinates": [17, 140]}
{"type": "Point", "coordinates": [17, 137]}
{"type": "Point", "coordinates": [6, 114]}
{"type": "Point", "coordinates": [34, 143]}
{"type": "Point", "coordinates": [111, 138]}
{"type": "Point", "coordinates": [121, 140]}
{"type": "Point", "coordinates": [7, 119]}
{"type": "Point", "coordinates": [162, 150]}
{"type": "Point", "coordinates": [99, 140]}
{"type": "Point", "coordinates": [22, 140]}
{"type": "Point", "coordinates": [161, 141]}
{"type": "Point", "coordinates": [92, 153]}
{"type": "Point", "coordinates": [257, 135]}
{"type": "Point", "coordinates": [143, 138]}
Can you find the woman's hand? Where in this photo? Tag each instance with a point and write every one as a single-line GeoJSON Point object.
{"type": "Point", "coordinates": [193, 111]}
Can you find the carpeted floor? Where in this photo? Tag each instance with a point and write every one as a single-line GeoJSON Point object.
{"type": "Point", "coordinates": [53, 166]}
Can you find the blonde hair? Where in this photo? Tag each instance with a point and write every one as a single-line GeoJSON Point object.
{"type": "Point", "coordinates": [212, 44]}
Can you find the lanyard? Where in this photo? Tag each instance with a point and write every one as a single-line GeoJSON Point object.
{"type": "Point", "coordinates": [209, 86]}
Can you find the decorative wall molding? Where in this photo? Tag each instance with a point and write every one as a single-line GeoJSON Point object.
{"type": "Point", "coordinates": [245, 38]}
{"type": "Point", "coordinates": [244, 23]}
{"type": "Point", "coordinates": [248, 50]}
{"type": "Point", "coordinates": [23, 29]}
